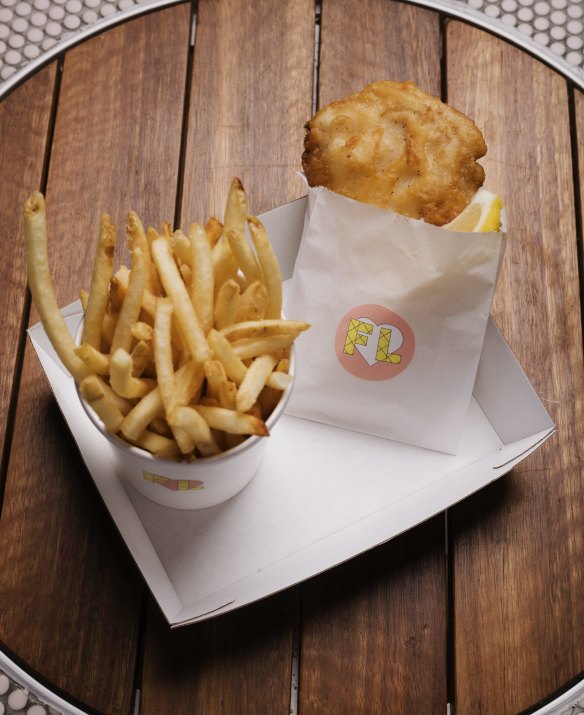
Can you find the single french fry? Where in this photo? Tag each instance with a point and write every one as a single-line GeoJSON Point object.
{"type": "Point", "coordinates": [187, 320]}
{"type": "Point", "coordinates": [95, 360]}
{"type": "Point", "coordinates": [118, 287]}
{"type": "Point", "coordinates": [236, 208]}
{"type": "Point", "coordinates": [149, 308]}
{"type": "Point", "coordinates": [142, 414]}
{"type": "Point", "coordinates": [251, 304]}
{"type": "Point", "coordinates": [189, 380]}
{"type": "Point", "coordinates": [122, 380]}
{"type": "Point", "coordinates": [98, 291]}
{"type": "Point", "coordinates": [232, 422]}
{"type": "Point", "coordinates": [222, 350]}
{"type": "Point", "coordinates": [283, 365]}
{"type": "Point", "coordinates": [263, 328]}
{"type": "Point", "coordinates": [163, 351]}
{"type": "Point", "coordinates": [243, 255]}
{"type": "Point", "coordinates": [202, 278]}
{"type": "Point", "coordinates": [213, 230]}
{"type": "Point", "coordinates": [190, 421]}
{"type": "Point", "coordinates": [165, 370]}
{"type": "Point", "coordinates": [42, 290]}
{"type": "Point", "coordinates": [215, 374]}
{"type": "Point", "coordinates": [227, 398]}
{"type": "Point", "coordinates": [276, 383]}
{"type": "Point", "coordinates": [166, 230]}
{"type": "Point", "coordinates": [186, 273]}
{"type": "Point", "coordinates": [92, 391]}
{"type": "Point", "coordinates": [142, 332]}
{"type": "Point", "coordinates": [252, 347]}
{"type": "Point", "coordinates": [159, 445]}
{"type": "Point", "coordinates": [137, 237]}
{"type": "Point", "coordinates": [148, 304]}
{"type": "Point", "coordinates": [254, 381]}
{"type": "Point", "coordinates": [107, 332]}
{"type": "Point", "coordinates": [272, 275]}
{"type": "Point", "coordinates": [141, 357]}
{"type": "Point", "coordinates": [123, 405]}
{"type": "Point", "coordinates": [181, 245]}
{"type": "Point", "coordinates": [226, 303]}
{"type": "Point", "coordinates": [132, 304]}
{"type": "Point", "coordinates": [228, 395]}
{"type": "Point", "coordinates": [224, 264]}
{"type": "Point", "coordinates": [154, 283]}
{"type": "Point", "coordinates": [234, 231]}
{"type": "Point", "coordinates": [279, 380]}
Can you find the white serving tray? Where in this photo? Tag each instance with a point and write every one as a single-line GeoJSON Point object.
{"type": "Point", "coordinates": [322, 495]}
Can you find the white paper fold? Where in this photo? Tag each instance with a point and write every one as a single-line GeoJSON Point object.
{"type": "Point", "coordinates": [322, 495]}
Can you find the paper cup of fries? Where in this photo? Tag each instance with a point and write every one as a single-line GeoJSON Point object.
{"type": "Point", "coordinates": [201, 483]}
{"type": "Point", "coordinates": [183, 360]}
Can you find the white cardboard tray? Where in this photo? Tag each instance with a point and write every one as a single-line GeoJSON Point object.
{"type": "Point", "coordinates": [322, 495]}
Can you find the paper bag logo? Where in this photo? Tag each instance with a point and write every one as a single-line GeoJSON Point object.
{"type": "Point", "coordinates": [374, 343]}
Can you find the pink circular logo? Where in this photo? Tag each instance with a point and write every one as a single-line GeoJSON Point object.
{"type": "Point", "coordinates": [374, 343]}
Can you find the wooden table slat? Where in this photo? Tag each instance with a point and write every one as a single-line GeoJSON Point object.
{"type": "Point", "coordinates": [250, 95]}
{"type": "Point", "coordinates": [238, 664]}
{"type": "Point", "coordinates": [59, 546]}
{"type": "Point", "coordinates": [518, 546]}
{"type": "Point", "coordinates": [25, 118]}
{"type": "Point", "coordinates": [374, 631]}
{"type": "Point", "coordinates": [357, 654]}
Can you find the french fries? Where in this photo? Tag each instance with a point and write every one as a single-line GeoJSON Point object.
{"type": "Point", "coordinates": [185, 353]}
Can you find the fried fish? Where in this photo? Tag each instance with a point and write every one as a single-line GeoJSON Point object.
{"type": "Point", "coordinates": [394, 146]}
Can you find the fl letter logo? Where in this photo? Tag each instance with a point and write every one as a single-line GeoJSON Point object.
{"type": "Point", "coordinates": [374, 343]}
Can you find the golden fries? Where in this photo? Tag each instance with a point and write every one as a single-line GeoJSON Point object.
{"type": "Point", "coordinates": [41, 287]}
{"type": "Point", "coordinates": [254, 381]}
{"type": "Point", "coordinates": [185, 353]}
{"type": "Point", "coordinates": [270, 267]}
{"type": "Point", "coordinates": [202, 278]}
{"type": "Point", "coordinates": [171, 280]}
{"type": "Point", "coordinates": [98, 293]}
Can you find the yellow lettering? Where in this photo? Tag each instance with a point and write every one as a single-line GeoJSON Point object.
{"type": "Point", "coordinates": [355, 335]}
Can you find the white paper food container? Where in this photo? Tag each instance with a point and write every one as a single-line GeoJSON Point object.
{"type": "Point", "coordinates": [196, 485]}
{"type": "Point", "coordinates": [398, 309]}
{"type": "Point", "coordinates": [322, 494]}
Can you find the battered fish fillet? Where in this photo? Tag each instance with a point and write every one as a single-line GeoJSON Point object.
{"type": "Point", "coordinates": [397, 147]}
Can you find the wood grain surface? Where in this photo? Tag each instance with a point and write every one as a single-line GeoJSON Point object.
{"type": "Point", "coordinates": [250, 96]}
{"type": "Point", "coordinates": [240, 663]}
{"type": "Point", "coordinates": [374, 631]}
{"type": "Point", "coordinates": [518, 547]}
{"type": "Point", "coordinates": [59, 547]}
{"type": "Point", "coordinates": [251, 93]}
{"type": "Point", "coordinates": [25, 117]}
{"type": "Point", "coordinates": [144, 120]}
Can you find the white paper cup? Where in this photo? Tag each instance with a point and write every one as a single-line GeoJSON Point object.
{"type": "Point", "coordinates": [203, 483]}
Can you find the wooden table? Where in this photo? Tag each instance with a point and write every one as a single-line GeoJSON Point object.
{"type": "Point", "coordinates": [482, 606]}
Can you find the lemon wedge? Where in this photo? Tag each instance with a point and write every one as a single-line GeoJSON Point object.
{"type": "Point", "coordinates": [482, 214]}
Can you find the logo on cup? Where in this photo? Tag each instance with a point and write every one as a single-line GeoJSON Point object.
{"type": "Point", "coordinates": [374, 343]}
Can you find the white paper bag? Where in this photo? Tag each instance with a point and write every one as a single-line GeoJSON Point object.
{"type": "Point", "coordinates": [398, 310]}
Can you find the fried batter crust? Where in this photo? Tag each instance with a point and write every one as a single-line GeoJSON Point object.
{"type": "Point", "coordinates": [392, 145]}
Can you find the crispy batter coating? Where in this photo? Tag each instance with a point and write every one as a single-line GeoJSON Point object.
{"type": "Point", "coordinates": [397, 147]}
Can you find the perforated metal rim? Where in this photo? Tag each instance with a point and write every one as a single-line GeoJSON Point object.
{"type": "Point", "coordinates": [35, 32]}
